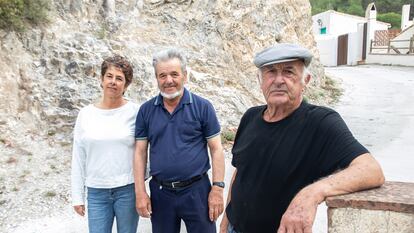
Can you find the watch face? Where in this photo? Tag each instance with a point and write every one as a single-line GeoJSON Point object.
{"type": "Point", "coordinates": [220, 184]}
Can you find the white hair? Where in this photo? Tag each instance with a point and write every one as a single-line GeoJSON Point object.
{"type": "Point", "coordinates": [173, 95]}
{"type": "Point", "coordinates": [169, 54]}
{"type": "Point", "coordinates": [305, 73]}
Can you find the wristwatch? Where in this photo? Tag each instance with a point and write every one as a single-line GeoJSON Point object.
{"type": "Point", "coordinates": [220, 184]}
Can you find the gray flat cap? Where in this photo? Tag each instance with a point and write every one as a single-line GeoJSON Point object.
{"type": "Point", "coordinates": [282, 52]}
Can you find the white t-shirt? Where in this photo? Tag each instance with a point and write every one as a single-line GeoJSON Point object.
{"type": "Point", "coordinates": [103, 149]}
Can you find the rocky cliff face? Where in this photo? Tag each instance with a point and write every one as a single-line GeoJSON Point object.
{"type": "Point", "coordinates": [52, 71]}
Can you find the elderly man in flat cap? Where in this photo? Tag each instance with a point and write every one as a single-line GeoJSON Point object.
{"type": "Point", "coordinates": [290, 155]}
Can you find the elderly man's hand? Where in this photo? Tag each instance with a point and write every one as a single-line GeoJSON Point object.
{"type": "Point", "coordinates": [215, 202]}
{"type": "Point", "coordinates": [301, 212]}
{"type": "Point", "coordinates": [143, 205]}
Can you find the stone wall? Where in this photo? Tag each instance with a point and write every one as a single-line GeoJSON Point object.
{"type": "Point", "coordinates": [388, 209]}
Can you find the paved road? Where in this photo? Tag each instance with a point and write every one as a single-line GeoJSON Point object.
{"type": "Point", "coordinates": [378, 106]}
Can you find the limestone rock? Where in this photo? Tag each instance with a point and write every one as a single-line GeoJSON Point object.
{"type": "Point", "coordinates": [220, 38]}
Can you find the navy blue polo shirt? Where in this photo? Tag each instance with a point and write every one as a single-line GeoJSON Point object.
{"type": "Point", "coordinates": [178, 141]}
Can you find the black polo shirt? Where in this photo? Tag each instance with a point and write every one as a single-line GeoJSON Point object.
{"type": "Point", "coordinates": [276, 160]}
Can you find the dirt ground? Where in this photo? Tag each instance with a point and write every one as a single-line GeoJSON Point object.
{"type": "Point", "coordinates": [378, 106]}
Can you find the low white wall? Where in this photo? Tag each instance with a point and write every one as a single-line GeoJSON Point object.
{"type": "Point", "coordinates": [390, 59]}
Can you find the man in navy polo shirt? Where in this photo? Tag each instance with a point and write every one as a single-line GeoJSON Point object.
{"type": "Point", "coordinates": [178, 125]}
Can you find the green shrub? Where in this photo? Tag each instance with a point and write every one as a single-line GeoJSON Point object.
{"type": "Point", "coordinates": [228, 136]}
{"type": "Point", "coordinates": [11, 14]}
{"type": "Point", "coordinates": [393, 18]}
{"type": "Point", "coordinates": [354, 9]}
{"type": "Point", "coordinates": [36, 11]}
{"type": "Point", "coordinates": [16, 14]}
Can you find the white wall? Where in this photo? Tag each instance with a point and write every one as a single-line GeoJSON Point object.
{"type": "Point", "coordinates": [405, 17]}
{"type": "Point", "coordinates": [324, 18]}
{"type": "Point", "coordinates": [354, 48]}
{"type": "Point", "coordinates": [390, 59]}
{"type": "Point", "coordinates": [341, 24]}
{"type": "Point", "coordinates": [360, 40]}
{"type": "Point", "coordinates": [380, 26]}
{"type": "Point", "coordinates": [406, 35]}
{"type": "Point", "coordinates": [328, 49]}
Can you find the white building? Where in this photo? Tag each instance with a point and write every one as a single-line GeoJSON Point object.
{"type": "Point", "coordinates": [343, 39]}
{"type": "Point", "coordinates": [405, 17]}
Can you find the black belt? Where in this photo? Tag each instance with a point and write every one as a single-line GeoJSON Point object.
{"type": "Point", "coordinates": [179, 184]}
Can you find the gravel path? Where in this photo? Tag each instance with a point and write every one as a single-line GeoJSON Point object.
{"type": "Point", "coordinates": [377, 105]}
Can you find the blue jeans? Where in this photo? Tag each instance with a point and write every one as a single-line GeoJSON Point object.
{"type": "Point", "coordinates": [105, 204]}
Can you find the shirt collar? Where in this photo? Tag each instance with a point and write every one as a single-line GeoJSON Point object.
{"type": "Point", "coordinates": [187, 98]}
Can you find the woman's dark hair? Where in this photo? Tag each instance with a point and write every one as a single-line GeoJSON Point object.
{"type": "Point", "coordinates": [121, 63]}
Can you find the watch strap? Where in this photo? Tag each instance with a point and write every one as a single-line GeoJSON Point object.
{"type": "Point", "coordinates": [219, 184]}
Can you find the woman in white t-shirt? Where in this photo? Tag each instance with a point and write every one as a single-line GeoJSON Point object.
{"type": "Point", "coordinates": [103, 149]}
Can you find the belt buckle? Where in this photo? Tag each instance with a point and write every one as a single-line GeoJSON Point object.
{"type": "Point", "coordinates": [173, 184]}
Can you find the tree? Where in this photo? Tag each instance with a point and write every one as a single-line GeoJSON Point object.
{"type": "Point", "coordinates": [357, 7]}
{"type": "Point", "coordinates": [346, 6]}
{"type": "Point", "coordinates": [393, 18]}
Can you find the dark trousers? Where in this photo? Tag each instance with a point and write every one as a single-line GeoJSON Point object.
{"type": "Point", "coordinates": [190, 204]}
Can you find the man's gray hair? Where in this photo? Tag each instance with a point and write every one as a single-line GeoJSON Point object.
{"type": "Point", "coordinates": [169, 54]}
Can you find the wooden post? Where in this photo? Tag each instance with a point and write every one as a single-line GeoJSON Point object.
{"type": "Point", "coordinates": [370, 47]}
{"type": "Point", "coordinates": [389, 46]}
